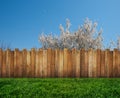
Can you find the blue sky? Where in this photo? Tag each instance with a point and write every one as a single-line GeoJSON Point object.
{"type": "Point", "coordinates": [21, 21]}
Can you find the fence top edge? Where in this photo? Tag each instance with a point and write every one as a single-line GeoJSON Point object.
{"type": "Point", "coordinates": [57, 49]}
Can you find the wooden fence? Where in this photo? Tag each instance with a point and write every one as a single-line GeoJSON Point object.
{"type": "Point", "coordinates": [60, 63]}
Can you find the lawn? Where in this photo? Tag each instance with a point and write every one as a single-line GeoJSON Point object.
{"type": "Point", "coordinates": [60, 88]}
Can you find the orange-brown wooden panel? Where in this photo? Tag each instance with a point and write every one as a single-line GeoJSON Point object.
{"type": "Point", "coordinates": [16, 63]}
{"type": "Point", "coordinates": [86, 63]}
{"type": "Point", "coordinates": [20, 64]}
{"type": "Point", "coordinates": [37, 66]}
{"type": "Point", "coordinates": [70, 65]}
{"type": "Point", "coordinates": [4, 71]}
{"type": "Point", "coordinates": [82, 63]}
{"type": "Point", "coordinates": [24, 63]}
{"type": "Point", "coordinates": [49, 62]}
{"type": "Point", "coordinates": [53, 64]}
{"type": "Point", "coordinates": [1, 60]}
{"type": "Point", "coordinates": [118, 63]}
{"type": "Point", "coordinates": [103, 63]}
{"type": "Point", "coordinates": [29, 69]}
{"type": "Point", "coordinates": [73, 62]}
{"type": "Point", "coordinates": [65, 62]}
{"type": "Point", "coordinates": [60, 69]}
{"type": "Point", "coordinates": [44, 63]}
{"type": "Point", "coordinates": [8, 56]}
{"type": "Point", "coordinates": [94, 64]}
{"type": "Point", "coordinates": [41, 62]}
{"type": "Point", "coordinates": [77, 74]}
{"type": "Point", "coordinates": [90, 63]}
{"type": "Point", "coordinates": [107, 64]}
{"type": "Point", "coordinates": [56, 62]}
{"type": "Point", "coordinates": [111, 64]}
{"type": "Point", "coordinates": [12, 64]}
{"type": "Point", "coordinates": [115, 63]}
{"type": "Point", "coordinates": [98, 62]}
{"type": "Point", "coordinates": [33, 58]}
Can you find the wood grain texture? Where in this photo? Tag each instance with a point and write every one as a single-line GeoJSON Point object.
{"type": "Point", "coordinates": [49, 62]}
{"type": "Point", "coordinates": [65, 67]}
{"type": "Point", "coordinates": [60, 68]}
{"type": "Point", "coordinates": [59, 63]}
{"type": "Point", "coordinates": [98, 62]}
{"type": "Point", "coordinates": [44, 63]}
{"type": "Point", "coordinates": [86, 62]}
{"type": "Point", "coordinates": [90, 63]}
{"type": "Point", "coordinates": [24, 62]}
{"type": "Point", "coordinates": [41, 62]}
{"type": "Point", "coordinates": [29, 68]}
{"type": "Point", "coordinates": [115, 63]}
{"type": "Point", "coordinates": [73, 62]}
{"type": "Point", "coordinates": [77, 70]}
{"type": "Point", "coordinates": [37, 65]}
{"type": "Point", "coordinates": [102, 63]}
{"type": "Point", "coordinates": [53, 63]}
{"type": "Point", "coordinates": [1, 60]}
{"type": "Point", "coordinates": [70, 64]}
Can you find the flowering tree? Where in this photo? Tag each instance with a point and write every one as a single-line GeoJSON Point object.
{"type": "Point", "coordinates": [114, 45]}
{"type": "Point", "coordinates": [4, 46]}
{"type": "Point", "coordinates": [118, 43]}
{"type": "Point", "coordinates": [85, 37]}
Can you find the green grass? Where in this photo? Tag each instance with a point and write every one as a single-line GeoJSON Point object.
{"type": "Point", "coordinates": [60, 88]}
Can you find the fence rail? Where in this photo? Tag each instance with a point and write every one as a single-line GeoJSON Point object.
{"type": "Point", "coordinates": [60, 63]}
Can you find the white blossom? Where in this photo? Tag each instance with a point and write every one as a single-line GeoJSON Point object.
{"type": "Point", "coordinates": [85, 37]}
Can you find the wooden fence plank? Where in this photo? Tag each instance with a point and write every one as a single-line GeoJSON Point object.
{"type": "Point", "coordinates": [86, 62]}
{"type": "Point", "coordinates": [65, 62]}
{"type": "Point", "coordinates": [118, 63]}
{"type": "Point", "coordinates": [103, 63]}
{"type": "Point", "coordinates": [82, 63]}
{"type": "Point", "coordinates": [20, 64]}
{"type": "Point", "coordinates": [16, 63]}
{"type": "Point", "coordinates": [107, 63]}
{"type": "Point", "coordinates": [73, 62]}
{"type": "Point", "coordinates": [115, 63]}
{"type": "Point", "coordinates": [29, 71]}
{"type": "Point", "coordinates": [4, 71]}
{"type": "Point", "coordinates": [98, 62]}
{"type": "Point", "coordinates": [90, 63]}
{"type": "Point", "coordinates": [33, 57]}
{"type": "Point", "coordinates": [8, 56]}
{"type": "Point", "coordinates": [56, 63]}
{"type": "Point", "coordinates": [77, 74]}
{"type": "Point", "coordinates": [49, 62]}
{"type": "Point", "coordinates": [24, 61]}
{"type": "Point", "coordinates": [111, 64]}
{"type": "Point", "coordinates": [69, 63]}
{"type": "Point", "coordinates": [12, 64]}
{"type": "Point", "coordinates": [37, 65]}
{"type": "Point", "coordinates": [94, 64]}
{"type": "Point", "coordinates": [1, 61]}
{"type": "Point", "coordinates": [60, 69]}
{"type": "Point", "coordinates": [41, 62]}
{"type": "Point", "coordinates": [53, 63]}
{"type": "Point", "coordinates": [45, 63]}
